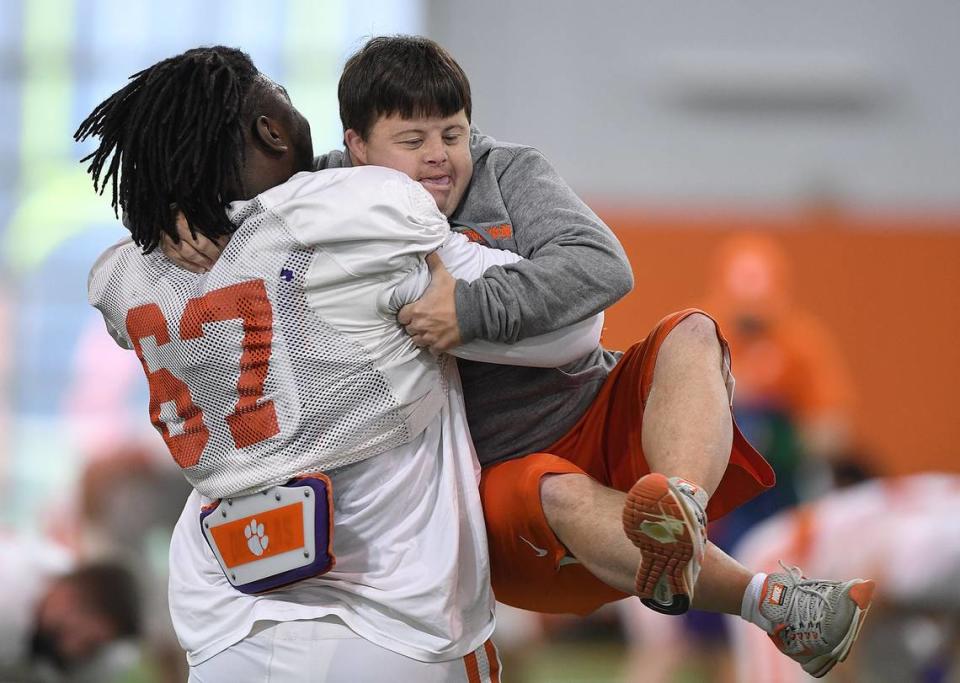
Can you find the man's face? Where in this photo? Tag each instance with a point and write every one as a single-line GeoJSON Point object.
{"type": "Point", "coordinates": [434, 151]}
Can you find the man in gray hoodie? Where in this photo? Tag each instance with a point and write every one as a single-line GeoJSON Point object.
{"type": "Point", "coordinates": [597, 477]}
{"type": "Point", "coordinates": [607, 416]}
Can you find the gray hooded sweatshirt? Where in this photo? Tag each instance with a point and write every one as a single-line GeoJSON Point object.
{"type": "Point", "coordinates": [574, 268]}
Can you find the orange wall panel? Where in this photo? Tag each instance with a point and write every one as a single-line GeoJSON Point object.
{"type": "Point", "coordinates": [888, 288]}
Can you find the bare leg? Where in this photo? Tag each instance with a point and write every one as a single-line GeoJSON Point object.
{"type": "Point", "coordinates": [687, 430]}
{"type": "Point", "coordinates": [722, 583]}
{"type": "Point", "coordinates": [585, 516]}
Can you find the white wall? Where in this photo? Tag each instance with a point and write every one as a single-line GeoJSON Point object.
{"type": "Point", "coordinates": [760, 102]}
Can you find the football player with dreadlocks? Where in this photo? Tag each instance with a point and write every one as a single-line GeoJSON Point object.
{"type": "Point", "coordinates": [335, 524]}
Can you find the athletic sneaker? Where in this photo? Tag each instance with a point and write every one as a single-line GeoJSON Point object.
{"type": "Point", "coordinates": [814, 622]}
{"type": "Point", "coordinates": [666, 520]}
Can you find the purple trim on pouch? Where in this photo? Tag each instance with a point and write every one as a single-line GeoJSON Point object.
{"type": "Point", "coordinates": [324, 560]}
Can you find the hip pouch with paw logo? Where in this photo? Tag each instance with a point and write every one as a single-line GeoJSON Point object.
{"type": "Point", "coordinates": [275, 537]}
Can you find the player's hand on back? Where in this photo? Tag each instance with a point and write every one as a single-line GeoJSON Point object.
{"type": "Point", "coordinates": [194, 253]}
{"type": "Point", "coordinates": [431, 320]}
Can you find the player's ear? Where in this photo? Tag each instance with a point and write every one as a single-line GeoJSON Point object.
{"type": "Point", "coordinates": [356, 146]}
{"type": "Point", "coordinates": [268, 132]}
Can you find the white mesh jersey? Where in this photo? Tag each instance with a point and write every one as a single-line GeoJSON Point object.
{"type": "Point", "coordinates": [412, 570]}
{"type": "Point", "coordinates": [284, 358]}
{"type": "Point", "coordinates": [287, 358]}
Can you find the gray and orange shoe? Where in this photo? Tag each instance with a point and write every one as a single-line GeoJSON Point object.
{"type": "Point", "coordinates": [665, 519]}
{"type": "Point", "coordinates": [813, 622]}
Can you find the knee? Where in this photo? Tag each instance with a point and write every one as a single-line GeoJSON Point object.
{"type": "Point", "coordinates": [697, 328]}
{"type": "Point", "coordinates": [562, 492]}
{"type": "Point", "coordinates": [697, 332]}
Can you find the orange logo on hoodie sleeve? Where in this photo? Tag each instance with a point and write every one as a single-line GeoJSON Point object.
{"type": "Point", "coordinates": [501, 232]}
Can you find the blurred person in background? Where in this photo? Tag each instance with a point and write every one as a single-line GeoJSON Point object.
{"type": "Point", "coordinates": [129, 500]}
{"type": "Point", "coordinates": [123, 510]}
{"type": "Point", "coordinates": [88, 626]}
{"type": "Point", "coordinates": [28, 565]}
{"type": "Point", "coordinates": [129, 494]}
{"type": "Point", "coordinates": [64, 623]}
{"type": "Point", "coordinates": [794, 391]}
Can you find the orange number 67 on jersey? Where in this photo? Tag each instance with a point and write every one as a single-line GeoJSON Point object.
{"type": "Point", "coordinates": [251, 421]}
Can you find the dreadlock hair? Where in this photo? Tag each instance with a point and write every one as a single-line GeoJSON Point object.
{"type": "Point", "coordinates": [406, 75]}
{"type": "Point", "coordinates": [173, 139]}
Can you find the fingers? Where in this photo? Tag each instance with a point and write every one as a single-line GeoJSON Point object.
{"type": "Point", "coordinates": [429, 342]}
{"type": "Point", "coordinates": [184, 255]}
{"type": "Point", "coordinates": [418, 335]}
{"type": "Point", "coordinates": [437, 269]}
{"type": "Point", "coordinates": [434, 261]}
{"type": "Point", "coordinates": [419, 340]}
{"type": "Point", "coordinates": [192, 259]}
{"type": "Point", "coordinates": [405, 315]}
{"type": "Point", "coordinates": [421, 337]}
{"type": "Point", "coordinates": [209, 249]}
{"type": "Point", "coordinates": [183, 227]}
{"type": "Point", "coordinates": [442, 346]}
{"type": "Point", "coordinates": [191, 253]}
{"type": "Point", "coordinates": [199, 246]}
{"type": "Point", "coordinates": [425, 339]}
{"type": "Point", "coordinates": [194, 249]}
{"type": "Point", "coordinates": [196, 253]}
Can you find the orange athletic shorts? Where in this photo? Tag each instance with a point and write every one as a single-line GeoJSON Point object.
{"type": "Point", "coordinates": [528, 567]}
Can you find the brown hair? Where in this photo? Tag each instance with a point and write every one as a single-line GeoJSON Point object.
{"type": "Point", "coordinates": [406, 75]}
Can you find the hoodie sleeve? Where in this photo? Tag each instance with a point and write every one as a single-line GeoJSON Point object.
{"type": "Point", "coordinates": [574, 266]}
{"type": "Point", "coordinates": [333, 159]}
{"type": "Point", "coordinates": [468, 261]}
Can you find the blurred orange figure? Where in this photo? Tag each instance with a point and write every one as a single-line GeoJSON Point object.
{"type": "Point", "coordinates": [784, 358]}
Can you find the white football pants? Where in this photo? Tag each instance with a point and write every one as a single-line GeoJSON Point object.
{"type": "Point", "coordinates": [314, 651]}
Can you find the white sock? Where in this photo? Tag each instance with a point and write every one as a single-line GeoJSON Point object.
{"type": "Point", "coordinates": [750, 605]}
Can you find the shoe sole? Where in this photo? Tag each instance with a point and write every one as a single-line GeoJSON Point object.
{"type": "Point", "coordinates": [657, 523]}
{"type": "Point", "coordinates": [822, 665]}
